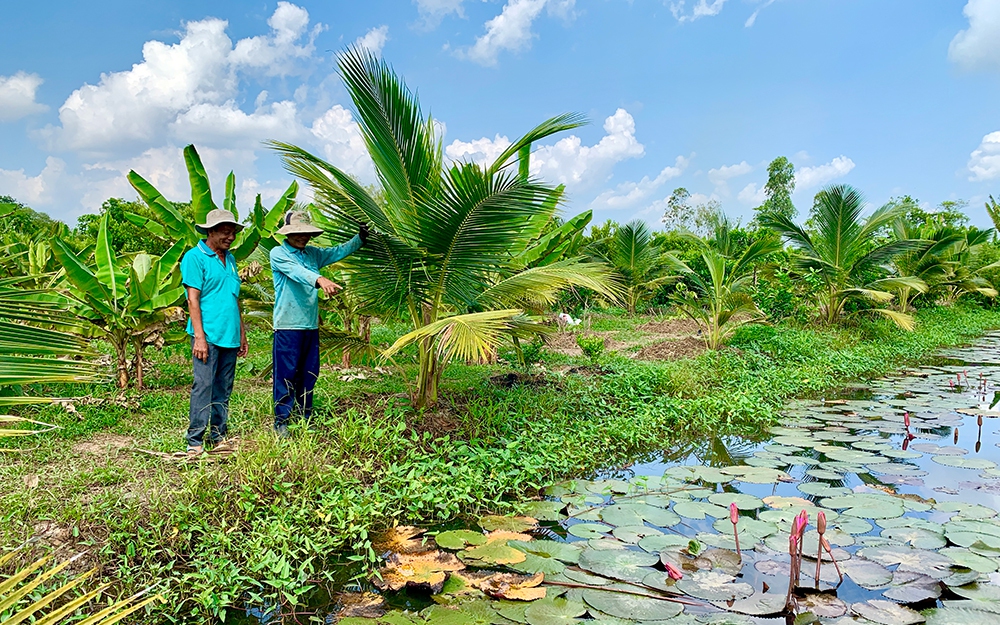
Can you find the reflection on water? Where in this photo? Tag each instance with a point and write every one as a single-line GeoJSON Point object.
{"type": "Point", "coordinates": [904, 469]}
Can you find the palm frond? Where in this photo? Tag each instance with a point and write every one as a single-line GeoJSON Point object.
{"type": "Point", "coordinates": [473, 337]}
{"type": "Point", "coordinates": [539, 286]}
{"type": "Point", "coordinates": [551, 126]}
{"type": "Point", "coordinates": [903, 320]}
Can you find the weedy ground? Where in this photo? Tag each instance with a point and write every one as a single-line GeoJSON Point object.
{"type": "Point", "coordinates": [264, 523]}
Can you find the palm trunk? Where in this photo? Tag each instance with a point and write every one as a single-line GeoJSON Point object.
{"type": "Point", "coordinates": [345, 356]}
{"type": "Point", "coordinates": [427, 376]}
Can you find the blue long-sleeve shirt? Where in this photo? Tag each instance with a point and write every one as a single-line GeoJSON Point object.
{"type": "Point", "coordinates": [296, 298]}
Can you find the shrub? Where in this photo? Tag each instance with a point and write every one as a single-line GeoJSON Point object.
{"type": "Point", "coordinates": [591, 345]}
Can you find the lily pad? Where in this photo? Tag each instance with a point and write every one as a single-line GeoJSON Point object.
{"type": "Point", "coordinates": [915, 537]}
{"type": "Point", "coordinates": [954, 616]}
{"type": "Point", "coordinates": [910, 587]}
{"type": "Point", "coordinates": [906, 558]}
{"type": "Point", "coordinates": [459, 539]}
{"type": "Point", "coordinates": [699, 510]}
{"type": "Point", "coordinates": [631, 606]}
{"type": "Point", "coordinates": [866, 573]}
{"type": "Point", "coordinates": [556, 611]}
{"type": "Point", "coordinates": [507, 523]}
{"type": "Point", "coordinates": [965, 463]}
{"type": "Point", "coordinates": [656, 544]}
{"type": "Point", "coordinates": [980, 592]}
{"type": "Point", "coordinates": [426, 570]}
{"type": "Point", "coordinates": [822, 489]}
{"type": "Point", "coordinates": [970, 560]}
{"type": "Point", "coordinates": [495, 550]}
{"type": "Point", "coordinates": [589, 530]}
{"type": "Point", "coordinates": [822, 604]}
{"type": "Point", "coordinates": [742, 501]}
{"type": "Point", "coordinates": [533, 564]}
{"type": "Point", "coordinates": [566, 552]}
{"type": "Point", "coordinates": [628, 566]}
{"type": "Point", "coordinates": [634, 533]}
{"type": "Point", "coordinates": [545, 510]}
{"type": "Point", "coordinates": [758, 604]}
{"type": "Point", "coordinates": [966, 510]}
{"type": "Point", "coordinates": [866, 506]}
{"type": "Point", "coordinates": [887, 612]}
{"type": "Point", "coordinates": [713, 586]}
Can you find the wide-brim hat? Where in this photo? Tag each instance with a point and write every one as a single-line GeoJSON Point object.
{"type": "Point", "coordinates": [218, 217]}
{"type": "Point", "coordinates": [299, 222]}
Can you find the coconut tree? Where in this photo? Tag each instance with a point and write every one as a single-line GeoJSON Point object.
{"type": "Point", "coordinates": [444, 235]}
{"type": "Point", "coordinates": [721, 302]}
{"type": "Point", "coordinates": [639, 263]}
{"type": "Point", "coordinates": [844, 252]}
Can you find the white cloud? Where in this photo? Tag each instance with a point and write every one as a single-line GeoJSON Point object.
{"type": "Point", "coordinates": [432, 11]}
{"type": "Point", "coordinates": [374, 40]}
{"type": "Point", "coordinates": [720, 175]}
{"type": "Point", "coordinates": [177, 84]}
{"type": "Point", "coordinates": [481, 151]}
{"type": "Point", "coordinates": [342, 143]}
{"type": "Point", "coordinates": [809, 177]}
{"type": "Point", "coordinates": [984, 162]}
{"type": "Point", "coordinates": [511, 30]}
{"type": "Point", "coordinates": [703, 8]}
{"type": "Point", "coordinates": [277, 52]}
{"type": "Point", "coordinates": [753, 17]}
{"type": "Point", "coordinates": [227, 125]}
{"type": "Point", "coordinates": [629, 194]}
{"type": "Point", "coordinates": [572, 163]}
{"type": "Point", "coordinates": [978, 45]}
{"type": "Point", "coordinates": [17, 96]}
{"type": "Point", "coordinates": [35, 190]}
{"type": "Point", "coordinates": [750, 194]}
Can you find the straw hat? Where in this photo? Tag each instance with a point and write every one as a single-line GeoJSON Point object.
{"type": "Point", "coordinates": [299, 222]}
{"type": "Point", "coordinates": [218, 217]}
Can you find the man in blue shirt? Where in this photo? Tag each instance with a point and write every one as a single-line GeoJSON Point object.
{"type": "Point", "coordinates": [218, 336]}
{"type": "Point", "coordinates": [295, 266]}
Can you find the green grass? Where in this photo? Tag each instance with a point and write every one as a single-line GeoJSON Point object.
{"type": "Point", "coordinates": [267, 522]}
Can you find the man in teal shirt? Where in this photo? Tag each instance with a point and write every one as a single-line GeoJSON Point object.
{"type": "Point", "coordinates": [208, 272]}
{"type": "Point", "coordinates": [295, 267]}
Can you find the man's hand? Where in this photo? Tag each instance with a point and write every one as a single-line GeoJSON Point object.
{"type": "Point", "coordinates": [244, 347]}
{"type": "Point", "coordinates": [329, 286]}
{"type": "Point", "coordinates": [200, 349]}
{"type": "Point", "coordinates": [363, 233]}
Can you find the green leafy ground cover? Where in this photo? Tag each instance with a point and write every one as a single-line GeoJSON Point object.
{"type": "Point", "coordinates": [266, 521]}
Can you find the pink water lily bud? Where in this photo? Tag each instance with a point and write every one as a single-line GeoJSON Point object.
{"type": "Point", "coordinates": [951, 383]}
{"type": "Point", "coordinates": [821, 523]}
{"type": "Point", "coordinates": [734, 515]}
{"type": "Point", "coordinates": [906, 419]}
{"type": "Point", "coordinates": [673, 572]}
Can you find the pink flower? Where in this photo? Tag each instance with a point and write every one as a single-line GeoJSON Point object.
{"type": "Point", "coordinates": [734, 514]}
{"type": "Point", "coordinates": [672, 572]}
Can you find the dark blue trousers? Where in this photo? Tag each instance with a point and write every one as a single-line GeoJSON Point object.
{"type": "Point", "coordinates": [296, 368]}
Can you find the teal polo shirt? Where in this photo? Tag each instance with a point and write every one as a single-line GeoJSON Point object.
{"type": "Point", "coordinates": [219, 284]}
{"type": "Point", "coordinates": [296, 298]}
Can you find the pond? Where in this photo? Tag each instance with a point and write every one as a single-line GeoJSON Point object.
{"type": "Point", "coordinates": [903, 471]}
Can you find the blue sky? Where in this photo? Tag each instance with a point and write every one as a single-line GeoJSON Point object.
{"type": "Point", "coordinates": [895, 97]}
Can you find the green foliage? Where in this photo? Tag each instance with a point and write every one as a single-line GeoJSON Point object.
{"type": "Point", "coordinates": [17, 218]}
{"type": "Point", "coordinates": [176, 222]}
{"type": "Point", "coordinates": [126, 303]}
{"type": "Point", "coordinates": [446, 239]}
{"type": "Point", "coordinates": [778, 190]}
{"type": "Point", "coordinates": [722, 302]}
{"type": "Point", "coordinates": [636, 259]}
{"type": "Point", "coordinates": [127, 237]}
{"type": "Point", "coordinates": [591, 345]}
{"type": "Point", "coordinates": [842, 252]}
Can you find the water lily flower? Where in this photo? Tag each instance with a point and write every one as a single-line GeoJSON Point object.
{"type": "Point", "coordinates": [906, 419]}
{"type": "Point", "coordinates": [820, 529]}
{"type": "Point", "coordinates": [673, 572]}
{"type": "Point", "coordinates": [734, 518]}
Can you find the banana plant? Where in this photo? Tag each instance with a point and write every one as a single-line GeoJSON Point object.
{"type": "Point", "coordinates": [170, 225]}
{"type": "Point", "coordinates": [124, 303]}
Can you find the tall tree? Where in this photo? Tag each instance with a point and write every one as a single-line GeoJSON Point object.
{"type": "Point", "coordinates": [678, 213]}
{"type": "Point", "coordinates": [778, 190]}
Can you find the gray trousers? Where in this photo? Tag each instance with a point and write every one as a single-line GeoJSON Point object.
{"type": "Point", "coordinates": [213, 384]}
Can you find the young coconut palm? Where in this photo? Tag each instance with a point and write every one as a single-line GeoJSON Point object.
{"type": "Point", "coordinates": [843, 251]}
{"type": "Point", "coordinates": [639, 263]}
{"type": "Point", "coordinates": [28, 596]}
{"type": "Point", "coordinates": [445, 236]}
{"type": "Point", "coordinates": [721, 303]}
